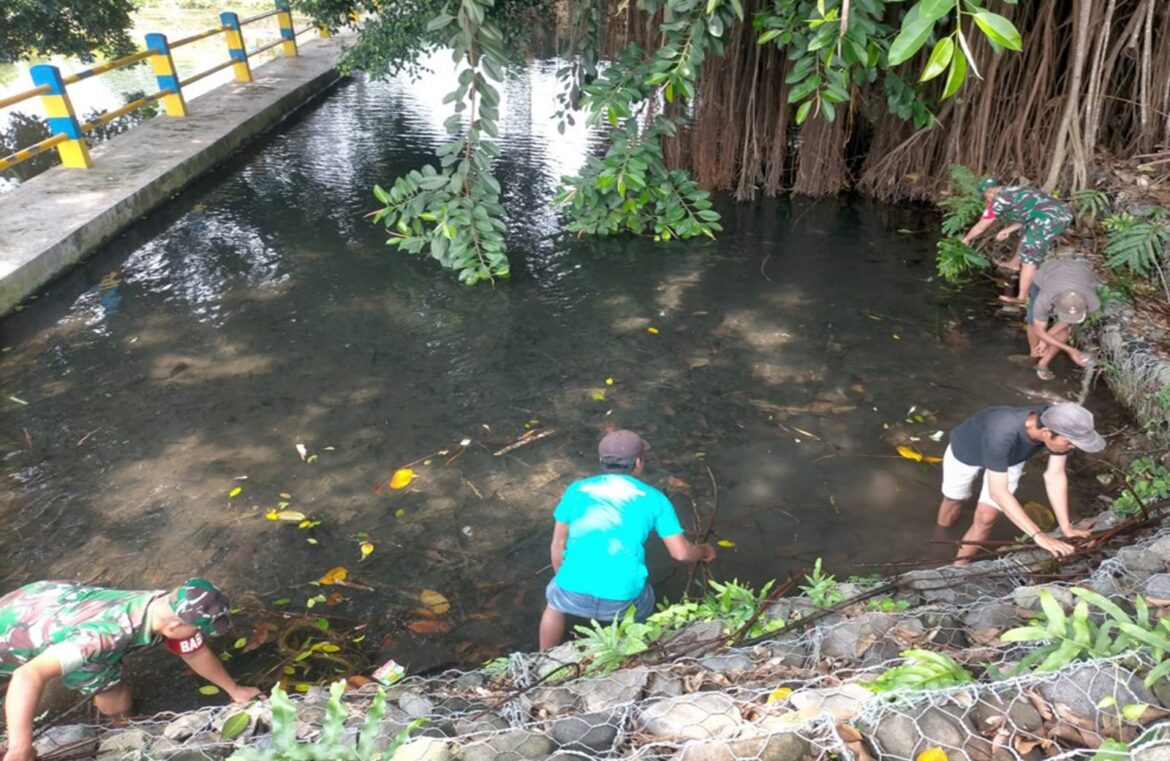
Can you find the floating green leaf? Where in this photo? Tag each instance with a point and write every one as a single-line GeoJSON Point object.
{"type": "Point", "coordinates": [234, 726]}
{"type": "Point", "coordinates": [209, 689]}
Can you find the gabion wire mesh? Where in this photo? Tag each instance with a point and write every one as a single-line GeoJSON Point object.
{"type": "Point", "coordinates": [793, 697]}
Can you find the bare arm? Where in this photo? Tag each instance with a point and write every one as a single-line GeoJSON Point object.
{"type": "Point", "coordinates": [559, 540]}
{"type": "Point", "coordinates": [1007, 231]}
{"type": "Point", "coordinates": [206, 664]}
{"type": "Point", "coordinates": [998, 486]}
{"type": "Point", "coordinates": [682, 550]}
{"type": "Point", "coordinates": [20, 704]}
{"type": "Point", "coordinates": [1056, 486]}
{"type": "Point", "coordinates": [1041, 329]}
{"type": "Point", "coordinates": [978, 229]}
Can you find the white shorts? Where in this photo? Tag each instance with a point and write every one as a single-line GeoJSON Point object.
{"type": "Point", "coordinates": [958, 477]}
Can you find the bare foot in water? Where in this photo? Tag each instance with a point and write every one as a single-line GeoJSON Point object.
{"type": "Point", "coordinates": [1010, 265]}
{"type": "Point", "coordinates": [1012, 300]}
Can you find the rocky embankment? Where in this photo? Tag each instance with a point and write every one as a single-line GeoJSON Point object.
{"type": "Point", "coordinates": [798, 695]}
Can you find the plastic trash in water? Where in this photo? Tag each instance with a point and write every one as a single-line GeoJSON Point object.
{"type": "Point", "coordinates": [389, 672]}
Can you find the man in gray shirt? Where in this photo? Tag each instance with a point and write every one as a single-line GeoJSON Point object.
{"type": "Point", "coordinates": [998, 441]}
{"type": "Point", "coordinates": [1064, 289]}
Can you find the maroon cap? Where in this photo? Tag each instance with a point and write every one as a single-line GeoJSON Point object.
{"type": "Point", "coordinates": [621, 446]}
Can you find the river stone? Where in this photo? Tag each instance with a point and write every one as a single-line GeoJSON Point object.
{"type": "Point", "coordinates": [1017, 713]}
{"type": "Point", "coordinates": [661, 685]}
{"type": "Point", "coordinates": [423, 749]}
{"type": "Point", "coordinates": [551, 700]}
{"type": "Point", "coordinates": [696, 639]}
{"type": "Point", "coordinates": [842, 702]}
{"type": "Point", "coordinates": [469, 680]}
{"type": "Point", "coordinates": [513, 745]}
{"type": "Point", "coordinates": [416, 705]}
{"type": "Point", "coordinates": [187, 724]}
{"type": "Point", "coordinates": [698, 716]}
{"type": "Point", "coordinates": [558, 659]}
{"type": "Point", "coordinates": [778, 747]}
{"type": "Point", "coordinates": [589, 733]}
{"type": "Point", "coordinates": [905, 735]}
{"type": "Point", "coordinates": [190, 754]}
{"type": "Point", "coordinates": [123, 741]}
{"type": "Point", "coordinates": [1082, 689]}
{"type": "Point", "coordinates": [1160, 753]}
{"type": "Point", "coordinates": [1160, 549]}
{"type": "Point", "coordinates": [604, 693]}
{"type": "Point", "coordinates": [850, 640]}
{"type": "Point", "coordinates": [486, 724]}
{"type": "Point", "coordinates": [725, 663]}
{"type": "Point", "coordinates": [1157, 587]}
{"type": "Point", "coordinates": [1028, 597]}
{"type": "Point", "coordinates": [79, 739]}
{"type": "Point", "coordinates": [1140, 563]}
{"type": "Point", "coordinates": [992, 616]}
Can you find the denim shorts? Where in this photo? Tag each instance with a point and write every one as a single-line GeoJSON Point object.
{"type": "Point", "coordinates": [1033, 292]}
{"type": "Point", "coordinates": [597, 608]}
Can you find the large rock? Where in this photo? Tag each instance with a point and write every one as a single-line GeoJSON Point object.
{"type": "Point", "coordinates": [661, 685]}
{"type": "Point", "coordinates": [610, 691]}
{"type": "Point", "coordinates": [415, 704]}
{"type": "Point", "coordinates": [1139, 562]}
{"type": "Point", "coordinates": [187, 724]}
{"type": "Point", "coordinates": [1028, 597]}
{"type": "Point", "coordinates": [990, 618]}
{"type": "Point", "coordinates": [906, 734]}
{"type": "Point", "coordinates": [949, 584]}
{"type": "Point", "coordinates": [1160, 549]}
{"type": "Point", "coordinates": [590, 733]}
{"type": "Point", "coordinates": [726, 663]}
{"type": "Point", "coordinates": [781, 746]}
{"type": "Point", "coordinates": [1159, 753]}
{"type": "Point", "coordinates": [71, 740]}
{"type": "Point", "coordinates": [123, 742]}
{"type": "Point", "coordinates": [698, 716]}
{"type": "Point", "coordinates": [1157, 587]}
{"type": "Point", "coordinates": [696, 639]}
{"type": "Point", "coordinates": [481, 725]}
{"type": "Point", "coordinates": [1083, 689]}
{"type": "Point", "coordinates": [842, 702]}
{"type": "Point", "coordinates": [553, 701]}
{"type": "Point", "coordinates": [851, 640]}
{"type": "Point", "coordinates": [513, 745]}
{"type": "Point", "coordinates": [559, 662]}
{"type": "Point", "coordinates": [1012, 711]}
{"type": "Point", "coordinates": [423, 749]}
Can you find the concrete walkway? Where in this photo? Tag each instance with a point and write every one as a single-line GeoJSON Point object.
{"type": "Point", "coordinates": [52, 221]}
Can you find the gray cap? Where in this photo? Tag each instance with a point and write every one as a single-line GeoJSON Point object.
{"type": "Point", "coordinates": [1075, 423]}
{"type": "Point", "coordinates": [1071, 307]}
{"type": "Point", "coordinates": [621, 448]}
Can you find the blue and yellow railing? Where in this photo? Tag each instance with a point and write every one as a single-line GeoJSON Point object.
{"type": "Point", "coordinates": [69, 134]}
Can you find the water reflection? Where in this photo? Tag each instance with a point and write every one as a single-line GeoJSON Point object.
{"type": "Point", "coordinates": [261, 310]}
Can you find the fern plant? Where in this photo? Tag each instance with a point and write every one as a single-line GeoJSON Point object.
{"type": "Point", "coordinates": [923, 670]}
{"type": "Point", "coordinates": [1068, 638]}
{"type": "Point", "coordinates": [1090, 202]}
{"type": "Point", "coordinates": [329, 746]}
{"type": "Point", "coordinates": [956, 260]}
{"type": "Point", "coordinates": [1138, 244]}
{"type": "Point", "coordinates": [607, 647]}
{"type": "Point", "coordinates": [965, 203]}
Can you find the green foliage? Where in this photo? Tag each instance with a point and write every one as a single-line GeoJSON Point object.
{"type": "Point", "coordinates": [821, 588]}
{"type": "Point", "coordinates": [46, 28]}
{"type": "Point", "coordinates": [887, 605]}
{"type": "Point", "coordinates": [965, 203]}
{"type": "Point", "coordinates": [329, 746]}
{"type": "Point", "coordinates": [454, 213]}
{"type": "Point", "coordinates": [1163, 397]}
{"type": "Point", "coordinates": [923, 670]}
{"type": "Point", "coordinates": [732, 603]}
{"type": "Point", "coordinates": [1068, 638]}
{"type": "Point", "coordinates": [1090, 202]}
{"type": "Point", "coordinates": [1136, 243]}
{"type": "Point", "coordinates": [608, 647]}
{"type": "Point", "coordinates": [956, 260]}
{"type": "Point", "coordinates": [1147, 478]}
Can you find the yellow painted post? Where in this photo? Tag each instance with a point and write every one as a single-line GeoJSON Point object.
{"type": "Point", "coordinates": [323, 31]}
{"type": "Point", "coordinates": [235, 42]}
{"type": "Point", "coordinates": [62, 121]}
{"type": "Point", "coordinates": [287, 32]}
{"type": "Point", "coordinates": [166, 75]}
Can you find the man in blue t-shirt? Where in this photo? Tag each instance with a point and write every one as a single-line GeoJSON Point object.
{"type": "Point", "coordinates": [996, 442]}
{"type": "Point", "coordinates": [598, 541]}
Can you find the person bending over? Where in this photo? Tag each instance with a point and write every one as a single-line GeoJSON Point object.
{"type": "Point", "coordinates": [598, 551]}
{"type": "Point", "coordinates": [51, 629]}
{"type": "Point", "coordinates": [1065, 290]}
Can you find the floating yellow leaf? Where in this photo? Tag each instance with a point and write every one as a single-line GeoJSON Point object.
{"type": "Point", "coordinates": [609, 381]}
{"type": "Point", "coordinates": [272, 515]}
{"type": "Point", "coordinates": [366, 548]}
{"type": "Point", "coordinates": [780, 693]}
{"type": "Point", "coordinates": [725, 543]}
{"type": "Point", "coordinates": [434, 601]}
{"type": "Point", "coordinates": [209, 689]}
{"type": "Point", "coordinates": [334, 575]}
{"type": "Point", "coordinates": [284, 515]}
{"type": "Point", "coordinates": [285, 495]}
{"type": "Point", "coordinates": [235, 492]}
{"type": "Point", "coordinates": [910, 453]}
{"type": "Point", "coordinates": [401, 478]}
{"type": "Point", "coordinates": [932, 754]}
{"type": "Point", "coordinates": [302, 687]}
{"type": "Point", "coordinates": [652, 331]}
{"type": "Point", "coordinates": [399, 513]}
{"type": "Point", "coordinates": [240, 643]}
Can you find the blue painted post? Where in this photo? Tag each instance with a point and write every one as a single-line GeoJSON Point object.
{"type": "Point", "coordinates": [235, 42]}
{"type": "Point", "coordinates": [59, 114]}
{"type": "Point", "coordinates": [287, 32]}
{"type": "Point", "coordinates": [166, 75]}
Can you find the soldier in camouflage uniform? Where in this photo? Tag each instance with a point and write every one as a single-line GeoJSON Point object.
{"type": "Point", "coordinates": [81, 634]}
{"type": "Point", "coordinates": [1041, 217]}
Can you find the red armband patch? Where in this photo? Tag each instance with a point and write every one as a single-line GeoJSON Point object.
{"type": "Point", "coordinates": [186, 646]}
{"type": "Point", "coordinates": [989, 213]}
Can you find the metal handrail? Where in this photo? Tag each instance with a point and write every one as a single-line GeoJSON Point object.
{"type": "Point", "coordinates": [197, 37]}
{"type": "Point", "coordinates": [110, 66]}
{"type": "Point", "coordinates": [262, 48]}
{"type": "Point", "coordinates": [207, 73]}
{"type": "Point", "coordinates": [110, 116]}
{"type": "Point", "coordinates": [24, 154]}
{"type": "Point", "coordinates": [14, 99]}
{"type": "Point", "coordinates": [260, 16]}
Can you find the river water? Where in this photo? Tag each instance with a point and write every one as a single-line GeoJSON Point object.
{"type": "Point", "coordinates": [261, 310]}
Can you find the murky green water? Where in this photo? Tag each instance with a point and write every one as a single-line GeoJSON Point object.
{"type": "Point", "coordinates": [261, 310]}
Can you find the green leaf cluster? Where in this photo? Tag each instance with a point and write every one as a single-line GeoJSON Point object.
{"type": "Point", "coordinates": [1148, 481]}
{"type": "Point", "coordinates": [1137, 243]}
{"type": "Point", "coordinates": [821, 588]}
{"type": "Point", "coordinates": [608, 647]}
{"type": "Point", "coordinates": [329, 746]}
{"type": "Point", "coordinates": [49, 28]}
{"type": "Point", "coordinates": [923, 670]}
{"type": "Point", "coordinates": [1090, 202]}
{"type": "Point", "coordinates": [453, 214]}
{"type": "Point", "coordinates": [964, 204]}
{"type": "Point", "coordinates": [956, 260]}
{"type": "Point", "coordinates": [1071, 637]}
